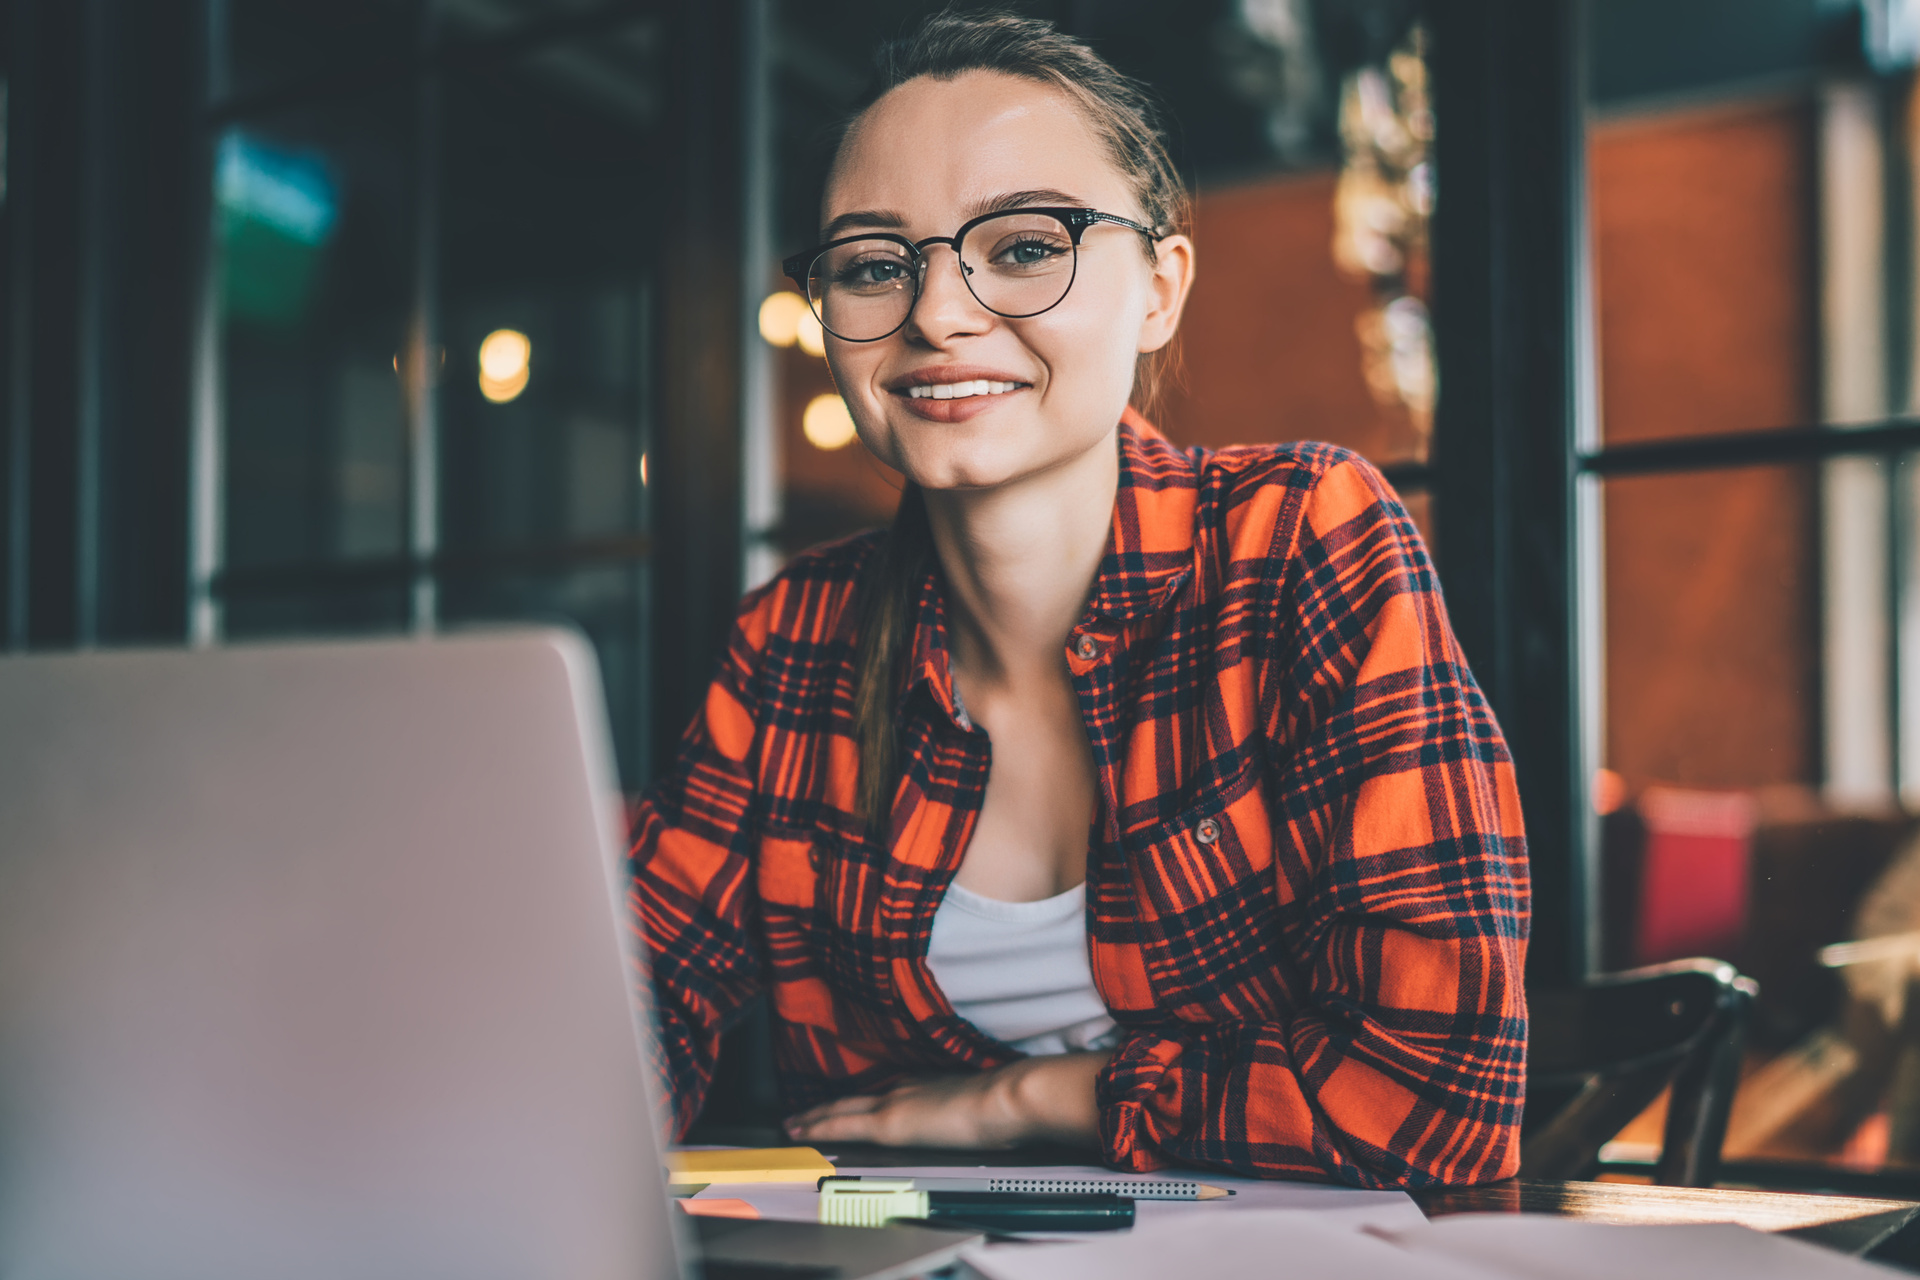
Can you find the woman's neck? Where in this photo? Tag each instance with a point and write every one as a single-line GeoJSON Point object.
{"type": "Point", "coordinates": [1020, 560]}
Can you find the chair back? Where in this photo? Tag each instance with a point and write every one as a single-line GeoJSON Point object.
{"type": "Point", "coordinates": [1600, 1053]}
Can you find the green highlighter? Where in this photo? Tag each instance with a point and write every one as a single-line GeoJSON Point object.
{"type": "Point", "coordinates": [874, 1202]}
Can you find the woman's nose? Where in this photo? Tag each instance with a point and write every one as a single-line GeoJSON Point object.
{"type": "Point", "coordinates": [947, 307]}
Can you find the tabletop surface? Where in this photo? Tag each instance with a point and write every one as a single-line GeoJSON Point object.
{"type": "Point", "coordinates": [1850, 1224]}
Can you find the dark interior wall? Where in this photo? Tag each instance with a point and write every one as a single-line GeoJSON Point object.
{"type": "Point", "coordinates": [99, 223]}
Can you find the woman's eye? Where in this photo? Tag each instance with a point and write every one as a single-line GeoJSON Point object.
{"type": "Point", "coordinates": [873, 271]}
{"type": "Point", "coordinates": [1029, 253]}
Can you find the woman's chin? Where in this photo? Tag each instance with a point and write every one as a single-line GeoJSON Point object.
{"type": "Point", "coordinates": [935, 456]}
{"type": "Point", "coordinates": [987, 452]}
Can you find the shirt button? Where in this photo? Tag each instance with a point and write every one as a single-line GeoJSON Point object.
{"type": "Point", "coordinates": [1207, 832]}
{"type": "Point", "coordinates": [1088, 647]}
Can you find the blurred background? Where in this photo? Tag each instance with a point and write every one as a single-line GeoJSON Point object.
{"type": "Point", "coordinates": [333, 317]}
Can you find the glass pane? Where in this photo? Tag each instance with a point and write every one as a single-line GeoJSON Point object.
{"type": "Point", "coordinates": [1723, 833]}
{"type": "Point", "coordinates": [276, 44]}
{"type": "Point", "coordinates": [316, 259]}
{"type": "Point", "coordinates": [1704, 251]}
{"type": "Point", "coordinates": [1712, 639]}
{"type": "Point", "coordinates": [297, 610]}
{"type": "Point", "coordinates": [607, 603]}
{"type": "Point", "coordinates": [545, 244]}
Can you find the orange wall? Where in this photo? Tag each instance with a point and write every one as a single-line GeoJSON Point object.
{"type": "Point", "coordinates": [1703, 250]}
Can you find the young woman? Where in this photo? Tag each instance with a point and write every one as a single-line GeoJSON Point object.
{"type": "Point", "coordinates": [1118, 794]}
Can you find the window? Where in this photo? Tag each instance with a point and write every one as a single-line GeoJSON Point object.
{"type": "Point", "coordinates": [1751, 215]}
{"type": "Point", "coordinates": [431, 332]}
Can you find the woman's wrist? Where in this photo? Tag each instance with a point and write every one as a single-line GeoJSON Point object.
{"type": "Point", "coordinates": [1049, 1098]}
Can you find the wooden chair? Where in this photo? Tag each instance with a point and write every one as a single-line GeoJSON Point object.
{"type": "Point", "coordinates": [1599, 1054]}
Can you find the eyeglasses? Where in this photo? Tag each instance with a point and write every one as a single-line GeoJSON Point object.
{"type": "Point", "coordinates": [1017, 264]}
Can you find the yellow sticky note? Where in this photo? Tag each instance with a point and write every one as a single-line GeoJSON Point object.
{"type": "Point", "coordinates": [764, 1164]}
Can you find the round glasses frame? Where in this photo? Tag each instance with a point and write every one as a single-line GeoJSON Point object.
{"type": "Point", "coordinates": [799, 267]}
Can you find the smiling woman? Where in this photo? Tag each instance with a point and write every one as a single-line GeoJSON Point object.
{"type": "Point", "coordinates": [1117, 794]}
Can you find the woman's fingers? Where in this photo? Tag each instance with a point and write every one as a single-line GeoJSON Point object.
{"type": "Point", "coordinates": [854, 1127]}
{"type": "Point", "coordinates": [858, 1104]}
{"type": "Point", "coordinates": [806, 1123]}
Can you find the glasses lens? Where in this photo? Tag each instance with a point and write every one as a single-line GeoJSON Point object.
{"type": "Point", "coordinates": [862, 290]}
{"type": "Point", "coordinates": [1019, 264]}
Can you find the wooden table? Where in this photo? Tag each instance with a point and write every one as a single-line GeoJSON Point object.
{"type": "Point", "coordinates": [1850, 1224]}
{"type": "Point", "coordinates": [1887, 1229]}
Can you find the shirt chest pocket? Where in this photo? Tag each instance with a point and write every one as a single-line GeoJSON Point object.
{"type": "Point", "coordinates": [1207, 907]}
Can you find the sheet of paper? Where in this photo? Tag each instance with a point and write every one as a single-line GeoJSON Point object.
{"type": "Point", "coordinates": [1539, 1247]}
{"type": "Point", "coordinates": [1299, 1244]}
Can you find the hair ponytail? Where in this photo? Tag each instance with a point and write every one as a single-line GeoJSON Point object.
{"type": "Point", "coordinates": [889, 588]}
{"type": "Point", "coordinates": [1127, 120]}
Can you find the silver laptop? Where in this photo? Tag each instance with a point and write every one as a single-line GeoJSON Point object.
{"type": "Point", "coordinates": [312, 964]}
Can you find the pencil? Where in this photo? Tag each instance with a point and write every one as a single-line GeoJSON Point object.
{"type": "Point", "coordinates": [1133, 1188]}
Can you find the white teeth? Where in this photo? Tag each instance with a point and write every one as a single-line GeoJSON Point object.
{"type": "Point", "coordinates": [961, 390]}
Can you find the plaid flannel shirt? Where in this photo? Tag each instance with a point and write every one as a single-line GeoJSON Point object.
{"type": "Point", "coordinates": [1306, 877]}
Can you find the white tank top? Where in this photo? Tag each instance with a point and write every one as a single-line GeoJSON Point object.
{"type": "Point", "coordinates": [1019, 970]}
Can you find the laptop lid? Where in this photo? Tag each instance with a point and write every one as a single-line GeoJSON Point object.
{"type": "Point", "coordinates": [309, 967]}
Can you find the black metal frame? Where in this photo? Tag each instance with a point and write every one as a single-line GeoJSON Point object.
{"type": "Point", "coordinates": [1755, 448]}
{"type": "Point", "coordinates": [1510, 315]}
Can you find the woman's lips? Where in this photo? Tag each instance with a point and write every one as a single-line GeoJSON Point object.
{"type": "Point", "coordinates": [961, 410]}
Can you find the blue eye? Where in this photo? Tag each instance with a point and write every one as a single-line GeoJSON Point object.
{"type": "Point", "coordinates": [1030, 251]}
{"type": "Point", "coordinates": [873, 273]}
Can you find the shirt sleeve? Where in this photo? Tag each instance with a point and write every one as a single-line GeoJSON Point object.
{"type": "Point", "coordinates": [1398, 840]}
{"type": "Point", "coordinates": [690, 884]}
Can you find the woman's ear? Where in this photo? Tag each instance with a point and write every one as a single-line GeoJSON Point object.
{"type": "Point", "coordinates": [1172, 278]}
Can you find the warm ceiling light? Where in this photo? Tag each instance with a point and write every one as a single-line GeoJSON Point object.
{"type": "Point", "coordinates": [811, 337]}
{"type": "Point", "coordinates": [505, 364]}
{"type": "Point", "coordinates": [503, 355]}
{"type": "Point", "coordinates": [780, 317]}
{"type": "Point", "coordinates": [827, 423]}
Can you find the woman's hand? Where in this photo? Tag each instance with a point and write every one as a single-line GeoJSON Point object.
{"type": "Point", "coordinates": [1048, 1098]}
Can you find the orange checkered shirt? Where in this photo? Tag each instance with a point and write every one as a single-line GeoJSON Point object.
{"type": "Point", "coordinates": [1306, 876]}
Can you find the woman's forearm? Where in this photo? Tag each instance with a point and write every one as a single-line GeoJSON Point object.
{"type": "Point", "coordinates": [1051, 1098]}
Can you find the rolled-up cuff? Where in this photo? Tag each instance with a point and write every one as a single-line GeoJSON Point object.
{"type": "Point", "coordinates": [1138, 1088]}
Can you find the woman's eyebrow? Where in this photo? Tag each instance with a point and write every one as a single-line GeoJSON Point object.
{"type": "Point", "coordinates": [1026, 199]}
{"type": "Point", "coordinates": [863, 218]}
{"type": "Point", "coordinates": [891, 221]}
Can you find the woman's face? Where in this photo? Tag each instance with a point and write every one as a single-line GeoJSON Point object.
{"type": "Point", "coordinates": [927, 157]}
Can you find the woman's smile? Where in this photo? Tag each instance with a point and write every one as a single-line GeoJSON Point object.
{"type": "Point", "coordinates": [955, 393]}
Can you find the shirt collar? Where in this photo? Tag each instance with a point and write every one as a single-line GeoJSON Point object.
{"type": "Point", "coordinates": [1150, 544]}
{"type": "Point", "coordinates": [1149, 553]}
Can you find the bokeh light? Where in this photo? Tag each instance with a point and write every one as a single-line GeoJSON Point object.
{"type": "Point", "coordinates": [506, 358]}
{"type": "Point", "coordinates": [780, 317]}
{"type": "Point", "coordinates": [812, 338]}
{"type": "Point", "coordinates": [827, 423]}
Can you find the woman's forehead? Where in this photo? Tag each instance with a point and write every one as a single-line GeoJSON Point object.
{"type": "Point", "coordinates": [930, 150]}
